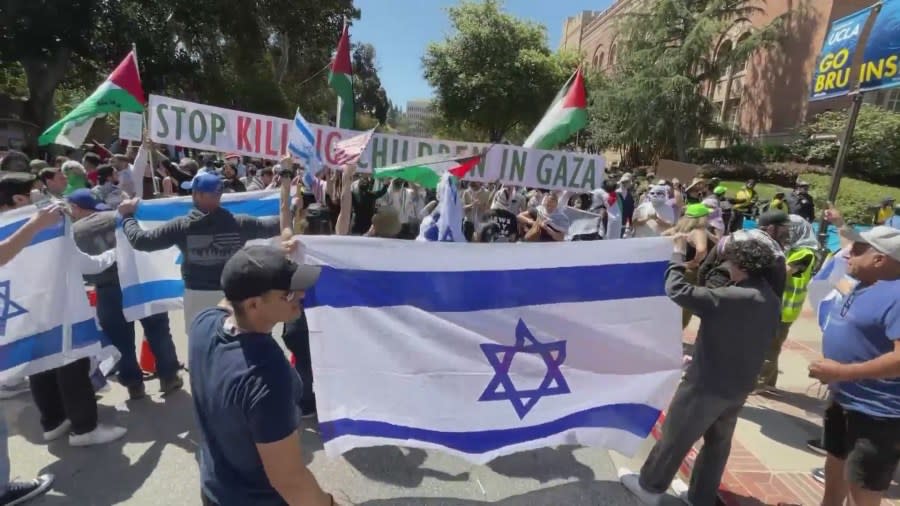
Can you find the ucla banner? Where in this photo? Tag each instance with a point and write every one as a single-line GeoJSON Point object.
{"type": "Point", "coordinates": [487, 350]}
{"type": "Point", "coordinates": [880, 60]}
{"type": "Point", "coordinates": [834, 67]}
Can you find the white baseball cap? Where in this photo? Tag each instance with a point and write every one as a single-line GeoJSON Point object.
{"type": "Point", "coordinates": [884, 239]}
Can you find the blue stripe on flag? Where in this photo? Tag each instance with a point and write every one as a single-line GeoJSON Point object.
{"type": "Point", "coordinates": [637, 419]}
{"type": "Point", "coordinates": [482, 290]}
{"type": "Point", "coordinates": [44, 344]}
{"type": "Point", "coordinates": [44, 235]}
{"type": "Point", "coordinates": [151, 291]}
{"type": "Point", "coordinates": [163, 212]}
{"type": "Point", "coordinates": [304, 130]}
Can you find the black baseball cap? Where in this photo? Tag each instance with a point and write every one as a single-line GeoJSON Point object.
{"type": "Point", "coordinates": [255, 270]}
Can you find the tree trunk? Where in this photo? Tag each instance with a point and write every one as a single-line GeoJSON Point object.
{"type": "Point", "coordinates": [44, 76]}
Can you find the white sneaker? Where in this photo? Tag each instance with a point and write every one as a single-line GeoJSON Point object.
{"type": "Point", "coordinates": [58, 432]}
{"type": "Point", "coordinates": [631, 481]}
{"type": "Point", "coordinates": [101, 435]}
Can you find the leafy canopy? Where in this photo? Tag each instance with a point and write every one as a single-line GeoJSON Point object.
{"type": "Point", "coordinates": [494, 72]}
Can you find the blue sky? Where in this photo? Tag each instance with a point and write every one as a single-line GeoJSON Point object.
{"type": "Point", "coordinates": [400, 30]}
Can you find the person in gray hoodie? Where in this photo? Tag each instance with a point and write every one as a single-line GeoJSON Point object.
{"type": "Point", "coordinates": [737, 323]}
{"type": "Point", "coordinates": [207, 237]}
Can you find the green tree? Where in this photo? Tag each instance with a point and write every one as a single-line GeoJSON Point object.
{"type": "Point", "coordinates": [256, 55]}
{"type": "Point", "coordinates": [653, 103]}
{"type": "Point", "coordinates": [370, 96]}
{"type": "Point", "coordinates": [874, 151]}
{"type": "Point", "coordinates": [495, 71]}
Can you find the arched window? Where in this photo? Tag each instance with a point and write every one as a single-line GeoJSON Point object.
{"type": "Point", "coordinates": [612, 54]}
{"type": "Point", "coordinates": [597, 61]}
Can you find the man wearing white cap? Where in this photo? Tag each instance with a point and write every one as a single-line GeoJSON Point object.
{"type": "Point", "coordinates": [861, 365]}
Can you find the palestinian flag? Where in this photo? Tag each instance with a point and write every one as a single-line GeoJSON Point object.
{"type": "Point", "coordinates": [567, 115]}
{"type": "Point", "coordinates": [427, 171]}
{"type": "Point", "coordinates": [341, 80]}
{"type": "Point", "coordinates": [121, 91]}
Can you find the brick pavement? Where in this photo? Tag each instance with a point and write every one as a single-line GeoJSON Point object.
{"type": "Point", "coordinates": [759, 470]}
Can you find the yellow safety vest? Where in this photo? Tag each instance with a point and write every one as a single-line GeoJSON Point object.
{"type": "Point", "coordinates": [744, 200]}
{"type": "Point", "coordinates": [795, 288]}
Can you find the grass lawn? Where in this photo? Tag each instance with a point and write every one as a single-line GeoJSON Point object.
{"type": "Point", "coordinates": [765, 191]}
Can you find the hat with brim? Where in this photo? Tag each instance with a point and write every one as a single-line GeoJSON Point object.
{"type": "Point", "coordinates": [773, 218]}
{"type": "Point", "coordinates": [695, 183]}
{"type": "Point", "coordinates": [696, 211]}
{"type": "Point", "coordinates": [258, 269]}
{"type": "Point", "coordinates": [204, 182]}
{"type": "Point", "coordinates": [884, 239]}
{"type": "Point", "coordinates": [84, 199]}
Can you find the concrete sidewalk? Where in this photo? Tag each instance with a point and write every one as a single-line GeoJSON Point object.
{"type": "Point", "coordinates": [769, 463]}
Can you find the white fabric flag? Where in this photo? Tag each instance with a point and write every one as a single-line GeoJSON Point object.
{"type": "Point", "coordinates": [151, 281]}
{"type": "Point", "coordinates": [139, 169]}
{"type": "Point", "coordinates": [490, 349]}
{"type": "Point", "coordinates": [46, 320]}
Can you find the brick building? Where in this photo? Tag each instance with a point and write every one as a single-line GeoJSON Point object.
{"type": "Point", "coordinates": [767, 99]}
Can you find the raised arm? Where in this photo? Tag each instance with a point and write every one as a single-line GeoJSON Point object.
{"type": "Point", "coordinates": [171, 233]}
{"type": "Point", "coordinates": [15, 243]}
{"type": "Point", "coordinates": [342, 227]}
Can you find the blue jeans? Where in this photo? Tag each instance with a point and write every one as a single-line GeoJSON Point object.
{"type": "Point", "coordinates": [4, 454]}
{"type": "Point", "coordinates": [121, 333]}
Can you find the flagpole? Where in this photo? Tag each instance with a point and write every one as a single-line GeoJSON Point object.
{"type": "Point", "coordinates": [144, 139]}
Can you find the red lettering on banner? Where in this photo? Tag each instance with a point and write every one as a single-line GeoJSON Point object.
{"type": "Point", "coordinates": [284, 139]}
{"type": "Point", "coordinates": [319, 140]}
{"type": "Point", "coordinates": [258, 135]}
{"type": "Point", "coordinates": [243, 142]}
{"type": "Point", "coordinates": [329, 142]}
{"type": "Point", "coordinates": [269, 150]}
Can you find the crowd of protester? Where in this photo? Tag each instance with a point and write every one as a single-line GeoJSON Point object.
{"type": "Point", "coordinates": [747, 287]}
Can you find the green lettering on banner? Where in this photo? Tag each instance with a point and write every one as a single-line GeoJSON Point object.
{"type": "Point", "coordinates": [218, 126]}
{"type": "Point", "coordinates": [443, 149]}
{"type": "Point", "coordinates": [578, 162]}
{"type": "Point", "coordinates": [544, 174]}
{"type": "Point", "coordinates": [162, 120]}
{"type": "Point", "coordinates": [425, 149]}
{"type": "Point", "coordinates": [517, 171]}
{"type": "Point", "coordinates": [379, 156]}
{"type": "Point", "coordinates": [196, 114]}
{"type": "Point", "coordinates": [481, 165]}
{"type": "Point", "coordinates": [178, 112]}
{"type": "Point", "coordinates": [588, 183]}
{"type": "Point", "coordinates": [503, 162]}
{"type": "Point", "coordinates": [562, 172]}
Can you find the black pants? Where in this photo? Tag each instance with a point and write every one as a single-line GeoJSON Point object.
{"type": "Point", "coordinates": [693, 413]}
{"type": "Point", "coordinates": [296, 339]}
{"type": "Point", "coordinates": [66, 392]}
{"type": "Point", "coordinates": [869, 445]}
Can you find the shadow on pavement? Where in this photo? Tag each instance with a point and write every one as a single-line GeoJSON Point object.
{"type": "Point", "coordinates": [571, 494]}
{"type": "Point", "coordinates": [396, 466]}
{"type": "Point", "coordinates": [543, 465]}
{"type": "Point", "coordinates": [84, 475]}
{"type": "Point", "coordinates": [809, 404]}
{"type": "Point", "coordinates": [794, 433]}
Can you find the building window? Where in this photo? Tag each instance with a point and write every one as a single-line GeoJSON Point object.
{"type": "Point", "coordinates": [612, 54]}
{"type": "Point", "coordinates": [893, 101]}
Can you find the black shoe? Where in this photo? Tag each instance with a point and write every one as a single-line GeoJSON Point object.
{"type": "Point", "coordinates": [20, 492]}
{"type": "Point", "coordinates": [170, 385]}
{"type": "Point", "coordinates": [815, 446]}
{"type": "Point", "coordinates": [818, 474]}
{"type": "Point", "coordinates": [137, 391]}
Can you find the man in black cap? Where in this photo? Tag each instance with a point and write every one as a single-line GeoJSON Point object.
{"type": "Point", "coordinates": [801, 203]}
{"type": "Point", "coordinates": [244, 388]}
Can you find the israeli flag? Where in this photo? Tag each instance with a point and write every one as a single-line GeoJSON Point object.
{"type": "Point", "coordinates": [151, 281]}
{"type": "Point", "coordinates": [490, 349]}
{"type": "Point", "coordinates": [46, 320]}
{"type": "Point", "coordinates": [302, 145]}
{"type": "Point", "coordinates": [823, 290]}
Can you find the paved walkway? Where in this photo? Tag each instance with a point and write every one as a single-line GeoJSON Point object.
{"type": "Point", "coordinates": [769, 463]}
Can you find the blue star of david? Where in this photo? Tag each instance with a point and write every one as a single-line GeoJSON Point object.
{"type": "Point", "coordinates": [8, 308]}
{"type": "Point", "coordinates": [501, 386]}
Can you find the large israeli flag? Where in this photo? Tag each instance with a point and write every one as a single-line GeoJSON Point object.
{"type": "Point", "coordinates": [483, 350]}
{"type": "Point", "coordinates": [46, 320]}
{"type": "Point", "coordinates": [151, 281]}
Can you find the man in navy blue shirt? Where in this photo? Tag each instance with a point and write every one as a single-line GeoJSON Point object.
{"type": "Point", "coordinates": [861, 344]}
{"type": "Point", "coordinates": [245, 392]}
